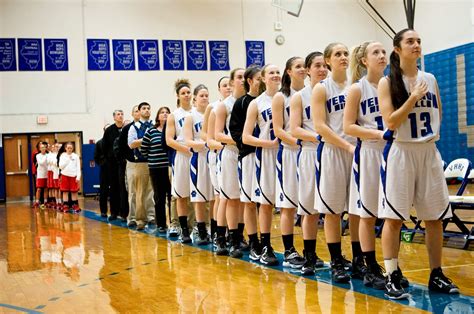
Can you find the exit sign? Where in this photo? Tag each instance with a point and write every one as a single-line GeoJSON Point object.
{"type": "Point", "coordinates": [42, 119]}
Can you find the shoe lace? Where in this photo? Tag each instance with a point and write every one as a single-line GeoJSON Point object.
{"type": "Point", "coordinates": [441, 276]}
{"type": "Point", "coordinates": [377, 269]}
{"type": "Point", "coordinates": [269, 251]}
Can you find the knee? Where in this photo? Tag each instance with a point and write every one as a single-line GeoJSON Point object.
{"type": "Point", "coordinates": [393, 224]}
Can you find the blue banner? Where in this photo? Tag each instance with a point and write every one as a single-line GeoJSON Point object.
{"type": "Point", "coordinates": [219, 52]}
{"type": "Point", "coordinates": [124, 54]}
{"type": "Point", "coordinates": [30, 54]}
{"type": "Point", "coordinates": [255, 52]}
{"type": "Point", "coordinates": [98, 55]}
{"type": "Point", "coordinates": [148, 59]}
{"type": "Point", "coordinates": [7, 54]}
{"type": "Point", "coordinates": [196, 55]}
{"type": "Point", "coordinates": [55, 55]}
{"type": "Point", "coordinates": [173, 56]}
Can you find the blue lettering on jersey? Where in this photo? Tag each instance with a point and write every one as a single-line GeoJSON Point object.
{"type": "Point", "coordinates": [372, 104]}
{"type": "Point", "coordinates": [307, 111]}
{"type": "Point", "coordinates": [336, 103]}
{"type": "Point", "coordinates": [197, 127]}
{"type": "Point", "coordinates": [430, 100]}
{"type": "Point", "coordinates": [267, 114]}
{"type": "Point", "coordinates": [181, 121]}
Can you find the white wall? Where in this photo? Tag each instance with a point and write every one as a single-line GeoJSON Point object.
{"type": "Point", "coordinates": [441, 24]}
{"type": "Point", "coordinates": [84, 100]}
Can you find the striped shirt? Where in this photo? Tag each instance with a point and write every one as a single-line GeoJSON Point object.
{"type": "Point", "coordinates": [152, 149]}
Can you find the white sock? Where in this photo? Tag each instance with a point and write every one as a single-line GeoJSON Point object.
{"type": "Point", "coordinates": [391, 265]}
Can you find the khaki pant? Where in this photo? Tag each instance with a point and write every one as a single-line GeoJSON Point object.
{"type": "Point", "coordinates": [174, 214]}
{"type": "Point", "coordinates": [140, 193]}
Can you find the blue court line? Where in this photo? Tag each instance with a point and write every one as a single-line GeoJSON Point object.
{"type": "Point", "coordinates": [17, 308]}
{"type": "Point", "coordinates": [421, 297]}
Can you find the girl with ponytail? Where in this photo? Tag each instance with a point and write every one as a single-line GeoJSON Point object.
{"type": "Point", "coordinates": [302, 128]}
{"type": "Point", "coordinates": [229, 203]}
{"type": "Point", "coordinates": [207, 135]}
{"type": "Point", "coordinates": [259, 115]}
{"type": "Point", "coordinates": [334, 181]}
{"type": "Point", "coordinates": [199, 180]}
{"type": "Point", "coordinates": [412, 171]}
{"type": "Point", "coordinates": [286, 185]}
{"type": "Point", "coordinates": [180, 161]}
{"type": "Point", "coordinates": [362, 119]}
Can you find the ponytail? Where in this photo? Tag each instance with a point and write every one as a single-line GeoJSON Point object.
{"type": "Point", "coordinates": [357, 67]}
{"type": "Point", "coordinates": [398, 92]}
{"type": "Point", "coordinates": [286, 79]}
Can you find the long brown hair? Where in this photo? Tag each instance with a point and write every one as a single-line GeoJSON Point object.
{"type": "Point", "coordinates": [157, 119]}
{"type": "Point", "coordinates": [398, 91]}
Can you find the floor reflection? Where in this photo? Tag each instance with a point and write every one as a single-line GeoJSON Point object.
{"type": "Point", "coordinates": [54, 260]}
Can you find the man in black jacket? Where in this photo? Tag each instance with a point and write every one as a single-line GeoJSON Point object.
{"type": "Point", "coordinates": [104, 191]}
{"type": "Point", "coordinates": [112, 163]}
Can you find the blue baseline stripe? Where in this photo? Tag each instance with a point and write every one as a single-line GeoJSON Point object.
{"type": "Point", "coordinates": [17, 308]}
{"type": "Point", "coordinates": [421, 297]}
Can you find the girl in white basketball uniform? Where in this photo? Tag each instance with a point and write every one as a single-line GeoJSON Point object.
{"type": "Point", "coordinates": [259, 115]}
{"type": "Point", "coordinates": [412, 173]}
{"type": "Point", "coordinates": [201, 190]}
{"type": "Point", "coordinates": [286, 194]}
{"type": "Point", "coordinates": [252, 84]}
{"type": "Point", "coordinates": [362, 120]}
{"type": "Point", "coordinates": [302, 127]}
{"type": "Point", "coordinates": [207, 135]}
{"type": "Point", "coordinates": [180, 163]}
{"type": "Point", "coordinates": [334, 162]}
{"type": "Point", "coordinates": [228, 173]}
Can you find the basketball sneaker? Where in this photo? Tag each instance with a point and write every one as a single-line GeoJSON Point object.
{"type": "Point", "coordinates": [309, 267]}
{"type": "Point", "coordinates": [243, 245]}
{"type": "Point", "coordinates": [293, 259]}
{"type": "Point", "coordinates": [440, 283]}
{"type": "Point", "coordinates": [185, 238]}
{"type": "Point", "coordinates": [358, 267]}
{"type": "Point", "coordinates": [403, 281]}
{"type": "Point", "coordinates": [235, 251]}
{"type": "Point", "coordinates": [393, 288]}
{"type": "Point", "coordinates": [339, 272]}
{"type": "Point", "coordinates": [221, 246]}
{"type": "Point", "coordinates": [268, 256]}
{"type": "Point", "coordinates": [76, 209]}
{"type": "Point", "coordinates": [255, 252]}
{"type": "Point", "coordinates": [202, 237]}
{"type": "Point", "coordinates": [173, 232]}
{"type": "Point", "coordinates": [374, 277]}
{"type": "Point", "coordinates": [65, 208]}
{"type": "Point", "coordinates": [319, 262]}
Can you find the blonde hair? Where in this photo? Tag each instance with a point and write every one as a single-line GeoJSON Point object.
{"type": "Point", "coordinates": [357, 67]}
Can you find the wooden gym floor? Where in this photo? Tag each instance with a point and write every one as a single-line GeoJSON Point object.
{"type": "Point", "coordinates": [52, 262]}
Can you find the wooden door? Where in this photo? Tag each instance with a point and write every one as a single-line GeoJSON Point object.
{"type": "Point", "coordinates": [15, 148]}
{"type": "Point", "coordinates": [35, 138]}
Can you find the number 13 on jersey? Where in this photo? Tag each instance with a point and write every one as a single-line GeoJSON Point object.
{"type": "Point", "coordinates": [421, 120]}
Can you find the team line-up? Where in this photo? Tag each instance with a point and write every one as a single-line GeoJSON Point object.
{"type": "Point", "coordinates": [364, 143]}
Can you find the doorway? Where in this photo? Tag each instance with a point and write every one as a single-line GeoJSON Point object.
{"type": "Point", "coordinates": [17, 174]}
